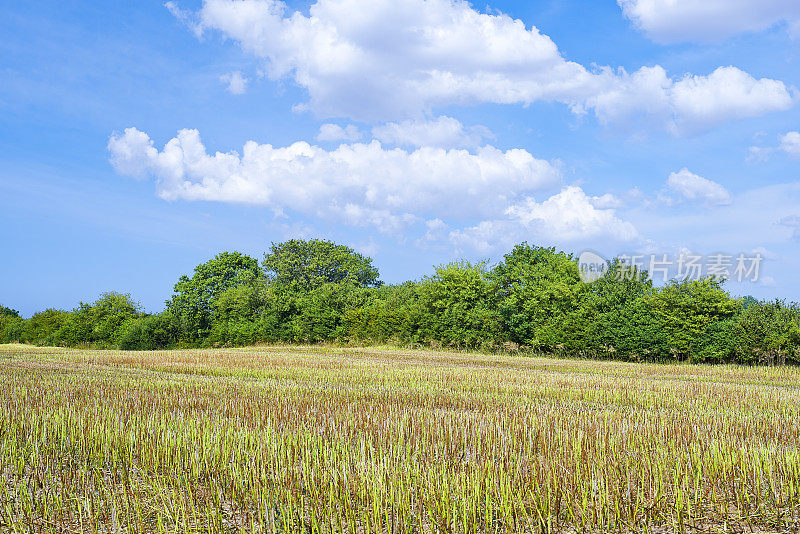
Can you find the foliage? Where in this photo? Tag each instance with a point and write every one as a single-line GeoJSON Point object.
{"type": "Point", "coordinates": [42, 327]}
{"type": "Point", "coordinates": [11, 326]}
{"type": "Point", "coordinates": [537, 289]}
{"type": "Point", "coordinates": [457, 307]}
{"type": "Point", "coordinates": [304, 265]}
{"type": "Point", "coordinates": [313, 291]}
{"type": "Point", "coordinates": [386, 314]}
{"type": "Point", "coordinates": [98, 323]}
{"type": "Point", "coordinates": [149, 332]}
{"type": "Point", "coordinates": [686, 309]}
{"type": "Point", "coordinates": [619, 324]}
{"type": "Point", "coordinates": [766, 332]}
{"type": "Point", "coordinates": [193, 299]}
{"type": "Point", "coordinates": [8, 312]}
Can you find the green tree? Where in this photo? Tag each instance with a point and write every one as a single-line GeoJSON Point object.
{"type": "Point", "coordinates": [193, 298]}
{"type": "Point", "coordinates": [766, 332]}
{"type": "Point", "coordinates": [149, 332]}
{"type": "Point", "coordinates": [11, 325]}
{"type": "Point", "coordinates": [619, 324]}
{"type": "Point", "coordinates": [8, 312]}
{"type": "Point", "coordinates": [686, 309]}
{"type": "Point", "coordinates": [538, 290]}
{"type": "Point", "coordinates": [388, 313]}
{"type": "Point", "coordinates": [304, 265]}
{"type": "Point", "coordinates": [42, 327]}
{"type": "Point", "coordinates": [241, 315]}
{"type": "Point", "coordinates": [457, 307]}
{"type": "Point", "coordinates": [243, 302]}
{"type": "Point", "coordinates": [320, 312]}
{"type": "Point", "coordinates": [99, 322]}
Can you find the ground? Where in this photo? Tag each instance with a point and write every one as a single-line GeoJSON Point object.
{"type": "Point", "coordinates": [320, 439]}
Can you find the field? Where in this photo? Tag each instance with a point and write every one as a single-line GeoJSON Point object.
{"type": "Point", "coordinates": [319, 439]}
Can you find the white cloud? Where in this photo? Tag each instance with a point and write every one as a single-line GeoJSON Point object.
{"type": "Point", "coordinates": [607, 201]}
{"type": "Point", "coordinates": [567, 217]}
{"type": "Point", "coordinates": [334, 132]}
{"type": "Point", "coordinates": [237, 83]}
{"type": "Point", "coordinates": [394, 59]}
{"type": "Point", "coordinates": [790, 143]}
{"type": "Point", "coordinates": [132, 153]}
{"type": "Point", "coordinates": [370, 248]}
{"type": "Point", "coordinates": [443, 132]}
{"type": "Point", "coordinates": [400, 60]}
{"type": "Point", "coordinates": [435, 233]}
{"type": "Point", "coordinates": [673, 21]}
{"type": "Point", "coordinates": [693, 187]}
{"type": "Point", "coordinates": [360, 183]}
{"type": "Point", "coordinates": [793, 222]}
{"type": "Point", "coordinates": [758, 219]}
{"type": "Point", "coordinates": [691, 104]}
{"type": "Point", "coordinates": [571, 215]}
{"type": "Point", "coordinates": [189, 18]}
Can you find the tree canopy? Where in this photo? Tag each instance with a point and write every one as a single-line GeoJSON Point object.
{"type": "Point", "coordinates": [305, 265]}
{"type": "Point", "coordinates": [533, 299]}
{"type": "Point", "coordinates": [194, 297]}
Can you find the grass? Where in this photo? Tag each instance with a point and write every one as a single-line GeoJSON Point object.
{"type": "Point", "coordinates": [312, 439]}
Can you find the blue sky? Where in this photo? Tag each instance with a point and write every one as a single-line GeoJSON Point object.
{"type": "Point", "coordinates": [139, 139]}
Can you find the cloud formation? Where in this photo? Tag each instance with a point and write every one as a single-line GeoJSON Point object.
{"type": "Point", "coordinates": [401, 60]}
{"type": "Point", "coordinates": [691, 104]}
{"type": "Point", "coordinates": [334, 132]}
{"type": "Point", "coordinates": [359, 183]}
{"type": "Point", "coordinates": [790, 143]}
{"type": "Point", "coordinates": [570, 216]}
{"type": "Point", "coordinates": [235, 81]}
{"type": "Point", "coordinates": [690, 186]}
{"type": "Point", "coordinates": [675, 21]}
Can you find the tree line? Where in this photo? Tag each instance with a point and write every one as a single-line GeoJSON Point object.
{"type": "Point", "coordinates": [310, 291]}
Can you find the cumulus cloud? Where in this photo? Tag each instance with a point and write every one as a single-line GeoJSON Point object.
{"type": "Point", "coordinates": [674, 21]}
{"type": "Point", "coordinates": [394, 59]}
{"type": "Point", "coordinates": [359, 183]}
{"type": "Point", "coordinates": [691, 104]}
{"type": "Point", "coordinates": [443, 132]}
{"type": "Point", "coordinates": [334, 132]}
{"type": "Point", "coordinates": [399, 60]}
{"type": "Point", "coordinates": [689, 186]}
{"type": "Point", "coordinates": [569, 216]}
{"type": "Point", "coordinates": [790, 143]}
{"type": "Point", "coordinates": [236, 82]}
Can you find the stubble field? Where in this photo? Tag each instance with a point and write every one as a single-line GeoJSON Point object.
{"type": "Point", "coordinates": [323, 439]}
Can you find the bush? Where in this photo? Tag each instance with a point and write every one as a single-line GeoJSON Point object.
{"type": "Point", "coordinates": [766, 332]}
{"type": "Point", "coordinates": [537, 292]}
{"type": "Point", "coordinates": [42, 327]}
{"type": "Point", "coordinates": [98, 324]}
{"type": "Point", "coordinates": [686, 310]}
{"type": "Point", "coordinates": [11, 328]}
{"type": "Point", "coordinates": [150, 332]}
{"type": "Point", "coordinates": [457, 307]}
{"type": "Point", "coordinates": [387, 314]}
{"type": "Point", "coordinates": [317, 291]}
